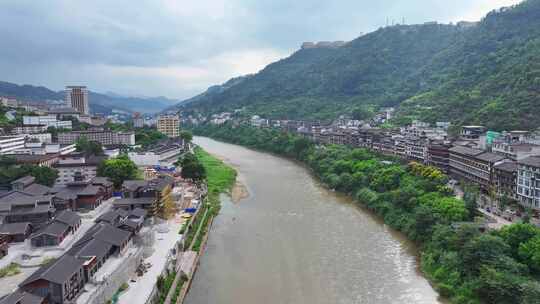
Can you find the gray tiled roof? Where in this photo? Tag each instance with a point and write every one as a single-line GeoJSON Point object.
{"type": "Point", "coordinates": [133, 185]}
{"type": "Point", "coordinates": [109, 217]}
{"type": "Point", "coordinates": [102, 181]}
{"type": "Point", "coordinates": [25, 180]}
{"type": "Point", "coordinates": [465, 151]}
{"type": "Point", "coordinates": [58, 271]}
{"type": "Point", "coordinates": [138, 212]}
{"type": "Point", "coordinates": [14, 228]}
{"type": "Point", "coordinates": [54, 228]}
{"type": "Point", "coordinates": [112, 235]}
{"type": "Point", "coordinates": [508, 166]}
{"type": "Point", "coordinates": [91, 248]}
{"type": "Point", "coordinates": [533, 161]}
{"type": "Point", "coordinates": [134, 201]}
{"type": "Point", "coordinates": [37, 189]}
{"type": "Point", "coordinates": [21, 297]}
{"type": "Point", "coordinates": [68, 217]}
{"type": "Point", "coordinates": [490, 157]}
{"type": "Point", "coordinates": [90, 190]}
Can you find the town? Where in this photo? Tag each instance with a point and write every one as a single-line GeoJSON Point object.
{"type": "Point", "coordinates": [503, 166]}
{"type": "Point", "coordinates": [70, 233]}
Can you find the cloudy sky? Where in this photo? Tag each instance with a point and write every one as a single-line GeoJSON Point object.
{"type": "Point", "coordinates": [178, 48]}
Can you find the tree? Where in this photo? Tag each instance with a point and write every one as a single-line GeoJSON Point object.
{"type": "Point", "coordinates": [530, 253]}
{"type": "Point", "coordinates": [485, 249]}
{"type": "Point", "coordinates": [186, 136]}
{"type": "Point", "coordinates": [300, 145]}
{"type": "Point", "coordinates": [516, 234]}
{"type": "Point", "coordinates": [88, 147]}
{"type": "Point", "coordinates": [118, 170]}
{"type": "Point", "coordinates": [192, 168]}
{"type": "Point", "coordinates": [43, 175]}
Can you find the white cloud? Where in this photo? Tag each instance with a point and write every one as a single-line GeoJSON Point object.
{"type": "Point", "coordinates": [480, 8]}
{"type": "Point", "coordinates": [180, 47]}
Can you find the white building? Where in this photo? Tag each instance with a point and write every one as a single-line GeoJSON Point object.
{"type": "Point", "coordinates": [47, 120]}
{"type": "Point", "coordinates": [39, 148]}
{"type": "Point", "coordinates": [164, 155]}
{"type": "Point", "coordinates": [29, 129]}
{"type": "Point", "coordinates": [9, 144]}
{"type": "Point", "coordinates": [74, 165]}
{"type": "Point", "coordinates": [42, 137]}
{"type": "Point", "coordinates": [528, 182]}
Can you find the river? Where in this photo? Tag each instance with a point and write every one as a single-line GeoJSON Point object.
{"type": "Point", "coordinates": [293, 241]}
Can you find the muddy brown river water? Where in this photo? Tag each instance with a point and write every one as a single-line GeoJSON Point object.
{"type": "Point", "coordinates": [293, 241]}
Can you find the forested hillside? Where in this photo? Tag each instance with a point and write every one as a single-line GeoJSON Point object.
{"type": "Point", "coordinates": [488, 73]}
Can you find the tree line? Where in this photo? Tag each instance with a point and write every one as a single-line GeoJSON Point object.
{"type": "Point", "coordinates": [465, 263]}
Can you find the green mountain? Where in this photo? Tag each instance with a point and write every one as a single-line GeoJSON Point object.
{"type": "Point", "coordinates": [486, 72]}
{"type": "Point", "coordinates": [99, 103]}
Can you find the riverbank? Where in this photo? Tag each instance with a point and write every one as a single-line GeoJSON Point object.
{"type": "Point", "coordinates": [220, 178]}
{"type": "Point", "coordinates": [414, 200]}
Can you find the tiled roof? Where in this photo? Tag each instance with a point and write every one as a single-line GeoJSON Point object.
{"type": "Point", "coordinates": [533, 161]}
{"type": "Point", "coordinates": [54, 229]}
{"type": "Point", "coordinates": [68, 217]}
{"type": "Point", "coordinates": [465, 151]}
{"type": "Point", "coordinates": [112, 235]}
{"type": "Point", "coordinates": [490, 157]}
{"type": "Point", "coordinates": [26, 180]}
{"type": "Point", "coordinates": [508, 166]}
{"type": "Point", "coordinates": [134, 201]}
{"type": "Point", "coordinates": [14, 228]}
{"type": "Point", "coordinates": [21, 297]}
{"type": "Point", "coordinates": [37, 189]}
{"type": "Point", "coordinates": [58, 271]}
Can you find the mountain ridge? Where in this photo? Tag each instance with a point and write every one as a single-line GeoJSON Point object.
{"type": "Point", "coordinates": [99, 102]}
{"type": "Point", "coordinates": [484, 72]}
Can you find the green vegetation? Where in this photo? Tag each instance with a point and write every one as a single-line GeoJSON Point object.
{"type": "Point", "coordinates": [47, 260]}
{"type": "Point", "coordinates": [486, 73]}
{"type": "Point", "coordinates": [88, 147]}
{"type": "Point", "coordinates": [10, 171]}
{"type": "Point", "coordinates": [177, 290]}
{"type": "Point", "coordinates": [123, 287]}
{"type": "Point", "coordinates": [164, 285]}
{"type": "Point", "coordinates": [465, 264]}
{"type": "Point", "coordinates": [118, 170]}
{"type": "Point", "coordinates": [192, 168]}
{"type": "Point", "coordinates": [220, 177]}
{"type": "Point", "coordinates": [10, 270]}
{"type": "Point", "coordinates": [186, 135]}
{"type": "Point", "coordinates": [202, 233]}
{"type": "Point", "coordinates": [147, 137]}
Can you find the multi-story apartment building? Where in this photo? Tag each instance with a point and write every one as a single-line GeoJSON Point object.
{"type": "Point", "coordinates": [528, 182]}
{"type": "Point", "coordinates": [8, 144]}
{"type": "Point", "coordinates": [472, 132]}
{"type": "Point", "coordinates": [169, 125]}
{"type": "Point", "coordinates": [77, 97]}
{"type": "Point", "coordinates": [438, 154]}
{"type": "Point", "coordinates": [138, 120]}
{"type": "Point", "coordinates": [475, 166]}
{"type": "Point", "coordinates": [76, 165]}
{"type": "Point", "coordinates": [416, 149]}
{"type": "Point", "coordinates": [504, 178]}
{"type": "Point", "coordinates": [104, 137]}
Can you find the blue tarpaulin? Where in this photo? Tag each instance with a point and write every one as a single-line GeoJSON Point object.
{"type": "Point", "coordinates": [190, 210]}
